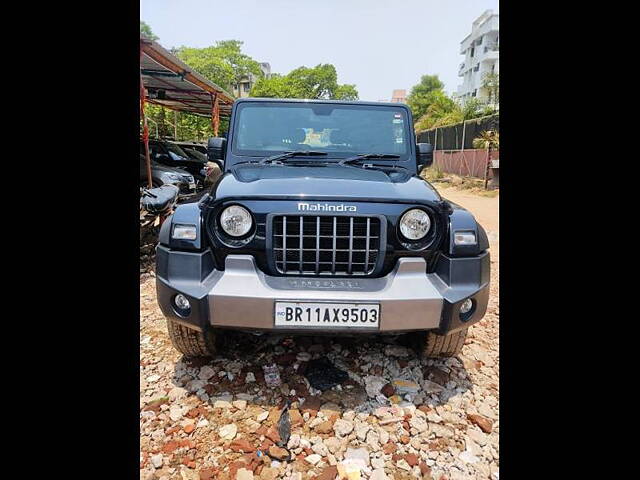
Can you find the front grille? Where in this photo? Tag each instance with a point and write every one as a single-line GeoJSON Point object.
{"type": "Point", "coordinates": [326, 245]}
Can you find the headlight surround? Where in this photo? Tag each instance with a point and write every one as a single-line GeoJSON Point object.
{"type": "Point", "coordinates": [415, 224]}
{"type": "Point", "coordinates": [236, 221]}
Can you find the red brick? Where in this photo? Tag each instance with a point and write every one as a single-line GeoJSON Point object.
{"type": "Point", "coordinates": [241, 445]}
{"type": "Point", "coordinates": [412, 459]}
{"type": "Point", "coordinates": [273, 435]}
{"type": "Point", "coordinates": [189, 428]}
{"type": "Point", "coordinates": [485, 424]}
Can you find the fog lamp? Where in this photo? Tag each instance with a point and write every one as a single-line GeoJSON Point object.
{"type": "Point", "coordinates": [466, 306]}
{"type": "Point", "coordinates": [182, 302]}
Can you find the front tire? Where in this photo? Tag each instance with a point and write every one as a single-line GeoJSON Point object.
{"type": "Point", "coordinates": [433, 345]}
{"type": "Point", "coordinates": [190, 342]}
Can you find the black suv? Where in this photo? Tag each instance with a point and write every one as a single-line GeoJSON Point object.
{"type": "Point", "coordinates": [321, 224]}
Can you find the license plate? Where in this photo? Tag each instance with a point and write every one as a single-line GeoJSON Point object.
{"type": "Point", "coordinates": [329, 315]}
{"type": "Point", "coordinates": [192, 186]}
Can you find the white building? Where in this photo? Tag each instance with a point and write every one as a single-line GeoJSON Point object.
{"type": "Point", "coordinates": [246, 83]}
{"type": "Point", "coordinates": [481, 57]}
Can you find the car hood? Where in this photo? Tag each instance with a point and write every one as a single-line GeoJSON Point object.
{"type": "Point", "coordinates": [156, 167]}
{"type": "Point", "coordinates": [324, 182]}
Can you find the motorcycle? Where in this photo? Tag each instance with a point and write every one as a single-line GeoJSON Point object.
{"type": "Point", "coordinates": [156, 204]}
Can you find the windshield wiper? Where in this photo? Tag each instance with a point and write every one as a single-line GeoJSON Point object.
{"type": "Point", "coordinates": [364, 156]}
{"type": "Point", "coordinates": [295, 153]}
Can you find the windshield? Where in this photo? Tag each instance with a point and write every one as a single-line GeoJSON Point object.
{"type": "Point", "coordinates": [264, 129]}
{"type": "Point", "coordinates": [176, 152]}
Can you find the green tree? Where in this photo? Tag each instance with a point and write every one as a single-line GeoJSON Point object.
{"type": "Point", "coordinates": [422, 95]}
{"type": "Point", "coordinates": [223, 63]}
{"type": "Point", "coordinates": [320, 81]}
{"type": "Point", "coordinates": [443, 110]}
{"type": "Point", "coordinates": [147, 32]}
{"type": "Point", "coordinates": [190, 127]}
{"type": "Point", "coordinates": [491, 82]}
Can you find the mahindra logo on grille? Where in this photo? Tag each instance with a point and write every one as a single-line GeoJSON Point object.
{"type": "Point", "coordinates": [325, 207]}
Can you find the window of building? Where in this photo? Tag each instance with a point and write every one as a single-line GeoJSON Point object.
{"type": "Point", "coordinates": [246, 87]}
{"type": "Point", "coordinates": [472, 52]}
{"type": "Point", "coordinates": [474, 93]}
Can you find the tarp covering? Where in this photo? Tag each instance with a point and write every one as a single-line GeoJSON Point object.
{"type": "Point", "coordinates": [451, 136]}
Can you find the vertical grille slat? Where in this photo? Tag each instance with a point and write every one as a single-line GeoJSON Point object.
{"type": "Point", "coordinates": [284, 244]}
{"type": "Point", "coordinates": [366, 255]}
{"type": "Point", "coordinates": [317, 245]}
{"type": "Point", "coordinates": [335, 224]}
{"type": "Point", "coordinates": [320, 245]}
{"type": "Point", "coordinates": [301, 242]}
{"type": "Point", "coordinates": [349, 269]}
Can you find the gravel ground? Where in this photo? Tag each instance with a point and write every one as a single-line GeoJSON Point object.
{"type": "Point", "coordinates": [217, 419]}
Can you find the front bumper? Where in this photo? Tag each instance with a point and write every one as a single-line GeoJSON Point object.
{"type": "Point", "coordinates": [243, 297]}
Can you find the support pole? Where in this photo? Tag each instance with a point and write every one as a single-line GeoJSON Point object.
{"type": "Point", "coordinates": [175, 125]}
{"type": "Point", "coordinates": [215, 114]}
{"type": "Point", "coordinates": [486, 170]}
{"type": "Point", "coordinates": [145, 131]}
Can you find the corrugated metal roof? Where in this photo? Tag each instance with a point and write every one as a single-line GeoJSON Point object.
{"type": "Point", "coordinates": [173, 84]}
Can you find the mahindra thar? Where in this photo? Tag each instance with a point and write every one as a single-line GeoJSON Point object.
{"type": "Point", "coordinates": [321, 224]}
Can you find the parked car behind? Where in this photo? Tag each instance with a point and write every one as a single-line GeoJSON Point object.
{"type": "Point", "coordinates": [199, 147]}
{"type": "Point", "coordinates": [169, 154]}
{"type": "Point", "coordinates": [211, 170]}
{"type": "Point", "coordinates": [163, 175]}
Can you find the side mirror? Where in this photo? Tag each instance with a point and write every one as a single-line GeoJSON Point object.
{"type": "Point", "coordinates": [425, 155]}
{"type": "Point", "coordinates": [216, 147]}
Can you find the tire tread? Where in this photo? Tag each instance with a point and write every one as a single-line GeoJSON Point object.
{"type": "Point", "coordinates": [437, 346]}
{"type": "Point", "coordinates": [190, 342]}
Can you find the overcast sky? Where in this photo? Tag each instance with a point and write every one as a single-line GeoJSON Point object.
{"type": "Point", "coordinates": [378, 45]}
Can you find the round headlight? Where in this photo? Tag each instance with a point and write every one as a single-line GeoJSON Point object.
{"type": "Point", "coordinates": [415, 224]}
{"type": "Point", "coordinates": [236, 221]}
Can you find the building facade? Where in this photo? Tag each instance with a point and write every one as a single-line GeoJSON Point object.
{"type": "Point", "coordinates": [481, 58]}
{"type": "Point", "coordinates": [399, 96]}
{"type": "Point", "coordinates": [242, 88]}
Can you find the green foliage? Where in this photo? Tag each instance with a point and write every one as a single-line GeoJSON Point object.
{"type": "Point", "coordinates": [487, 139]}
{"type": "Point", "coordinates": [320, 81]}
{"type": "Point", "coordinates": [147, 32]}
{"type": "Point", "coordinates": [491, 82]}
{"type": "Point", "coordinates": [432, 107]}
{"type": "Point", "coordinates": [433, 173]}
{"type": "Point", "coordinates": [223, 63]}
{"type": "Point", "coordinates": [190, 127]}
{"type": "Point", "coordinates": [422, 95]}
